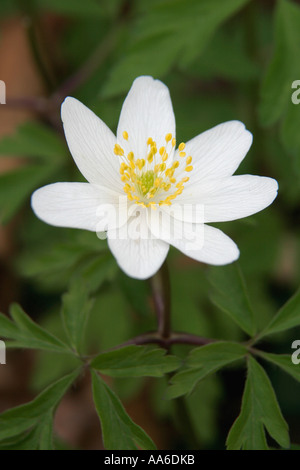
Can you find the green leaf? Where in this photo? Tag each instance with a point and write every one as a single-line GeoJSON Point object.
{"type": "Point", "coordinates": [287, 317]}
{"type": "Point", "coordinates": [284, 67]}
{"type": "Point", "coordinates": [34, 140]}
{"type": "Point", "coordinates": [28, 334]}
{"type": "Point", "coordinates": [135, 361]}
{"type": "Point", "coordinates": [19, 419]}
{"type": "Point", "coordinates": [202, 362]}
{"type": "Point", "coordinates": [284, 361]}
{"type": "Point", "coordinates": [45, 431]}
{"type": "Point", "coordinates": [259, 410]}
{"type": "Point", "coordinates": [75, 310]}
{"type": "Point", "coordinates": [230, 295]}
{"type": "Point", "coordinates": [47, 153]}
{"type": "Point", "coordinates": [118, 430]}
{"type": "Point", "coordinates": [88, 8]}
{"type": "Point", "coordinates": [179, 29]}
{"type": "Point", "coordinates": [26, 179]}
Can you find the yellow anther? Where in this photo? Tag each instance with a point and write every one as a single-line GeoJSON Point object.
{"type": "Point", "coordinates": [156, 168]}
{"type": "Point", "coordinates": [185, 179]}
{"type": "Point", "coordinates": [125, 135]}
{"type": "Point", "coordinates": [168, 137]}
{"type": "Point", "coordinates": [165, 157]}
{"type": "Point", "coordinates": [182, 154]}
{"type": "Point", "coordinates": [140, 163]}
{"type": "Point", "coordinates": [189, 160]}
{"type": "Point", "coordinates": [173, 180]}
{"type": "Point", "coordinates": [130, 156]}
{"type": "Point", "coordinates": [162, 167]}
{"type": "Point", "coordinates": [175, 164]}
{"type": "Point", "coordinates": [189, 168]}
{"type": "Point", "coordinates": [162, 150]}
{"type": "Point", "coordinates": [157, 182]}
{"type": "Point", "coordinates": [118, 150]}
{"type": "Point", "coordinates": [169, 172]}
{"type": "Point", "coordinates": [181, 146]}
{"type": "Point", "coordinates": [149, 141]}
{"type": "Point", "coordinates": [173, 142]}
{"type": "Point", "coordinates": [150, 157]}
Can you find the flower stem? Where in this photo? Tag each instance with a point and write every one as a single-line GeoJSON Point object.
{"type": "Point", "coordinates": [160, 284]}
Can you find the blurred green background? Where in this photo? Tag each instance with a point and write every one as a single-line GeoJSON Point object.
{"type": "Point", "coordinates": [222, 60]}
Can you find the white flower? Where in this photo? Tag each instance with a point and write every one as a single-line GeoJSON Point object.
{"type": "Point", "coordinates": [140, 169]}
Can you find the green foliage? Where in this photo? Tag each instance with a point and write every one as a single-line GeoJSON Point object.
{"type": "Point", "coordinates": [202, 362]}
{"type": "Point", "coordinates": [259, 410]}
{"type": "Point", "coordinates": [31, 424]}
{"type": "Point", "coordinates": [119, 431]}
{"type": "Point", "coordinates": [135, 361]}
{"type": "Point", "coordinates": [44, 153]}
{"type": "Point", "coordinates": [179, 28]}
{"type": "Point", "coordinates": [90, 8]}
{"type": "Point", "coordinates": [25, 333]}
{"type": "Point", "coordinates": [283, 70]}
{"type": "Point", "coordinates": [222, 60]}
{"type": "Point", "coordinates": [75, 310]}
{"type": "Point", "coordinates": [230, 295]}
{"type": "Point", "coordinates": [287, 317]}
{"type": "Point", "coordinates": [284, 361]}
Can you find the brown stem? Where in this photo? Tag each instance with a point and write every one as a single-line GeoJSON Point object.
{"type": "Point", "coordinates": [160, 284]}
{"type": "Point", "coordinates": [174, 338]}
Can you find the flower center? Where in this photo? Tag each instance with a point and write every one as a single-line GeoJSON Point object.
{"type": "Point", "coordinates": [151, 181]}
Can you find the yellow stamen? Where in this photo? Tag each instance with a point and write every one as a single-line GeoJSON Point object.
{"type": "Point", "coordinates": [189, 168]}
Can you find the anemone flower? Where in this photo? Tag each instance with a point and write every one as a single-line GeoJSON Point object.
{"type": "Point", "coordinates": [145, 192]}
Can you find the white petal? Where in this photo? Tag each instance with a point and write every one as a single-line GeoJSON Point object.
{"type": "Point", "coordinates": [198, 241]}
{"type": "Point", "coordinates": [147, 112]}
{"type": "Point", "coordinates": [227, 199]}
{"type": "Point", "coordinates": [139, 258]}
{"type": "Point", "coordinates": [218, 152]}
{"type": "Point", "coordinates": [91, 144]}
{"type": "Point", "coordinates": [79, 205]}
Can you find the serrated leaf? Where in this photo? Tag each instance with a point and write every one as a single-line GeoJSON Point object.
{"type": "Point", "coordinates": [28, 334]}
{"type": "Point", "coordinates": [23, 417]}
{"type": "Point", "coordinates": [135, 361]}
{"type": "Point", "coordinates": [230, 295]}
{"type": "Point", "coordinates": [75, 310]}
{"type": "Point", "coordinates": [118, 430]}
{"type": "Point", "coordinates": [287, 317]}
{"type": "Point", "coordinates": [259, 410]}
{"type": "Point", "coordinates": [202, 362]}
{"type": "Point", "coordinates": [284, 361]}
